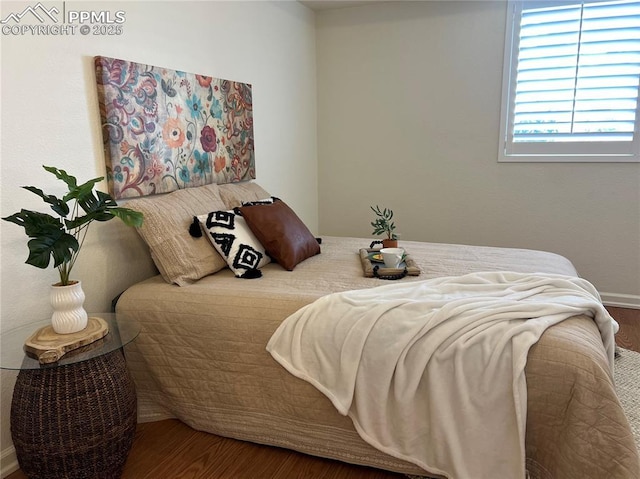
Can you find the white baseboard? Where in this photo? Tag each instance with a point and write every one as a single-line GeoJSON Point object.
{"type": "Point", "coordinates": [150, 411]}
{"type": "Point", "coordinates": [154, 417]}
{"type": "Point", "coordinates": [8, 462]}
{"type": "Point", "coordinates": [621, 300]}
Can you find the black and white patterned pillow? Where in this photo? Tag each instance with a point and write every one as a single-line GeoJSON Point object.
{"type": "Point", "coordinates": [264, 201]}
{"type": "Point", "coordinates": [232, 238]}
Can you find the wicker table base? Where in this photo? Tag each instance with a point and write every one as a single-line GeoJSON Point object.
{"type": "Point", "coordinates": [76, 421]}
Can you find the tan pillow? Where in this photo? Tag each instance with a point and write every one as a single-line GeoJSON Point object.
{"type": "Point", "coordinates": [234, 194]}
{"type": "Point", "coordinates": [284, 236]}
{"type": "Point", "coordinates": [180, 258]}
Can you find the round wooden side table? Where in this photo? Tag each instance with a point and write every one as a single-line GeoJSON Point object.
{"type": "Point", "coordinates": [74, 419]}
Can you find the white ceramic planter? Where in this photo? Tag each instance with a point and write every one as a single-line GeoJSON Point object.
{"type": "Point", "coordinates": [69, 315]}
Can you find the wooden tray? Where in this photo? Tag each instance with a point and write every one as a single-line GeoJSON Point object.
{"type": "Point", "coordinates": [368, 266]}
{"type": "Point", "coordinates": [49, 346]}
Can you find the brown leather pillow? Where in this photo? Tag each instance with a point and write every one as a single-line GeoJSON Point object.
{"type": "Point", "coordinates": [284, 236]}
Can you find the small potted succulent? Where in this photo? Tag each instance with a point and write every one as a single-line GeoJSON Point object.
{"type": "Point", "coordinates": [384, 225]}
{"type": "Point", "coordinates": [61, 238]}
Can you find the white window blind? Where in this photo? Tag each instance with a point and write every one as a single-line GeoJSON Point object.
{"type": "Point", "coordinates": [572, 78]}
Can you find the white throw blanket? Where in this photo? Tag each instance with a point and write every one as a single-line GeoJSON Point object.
{"type": "Point", "coordinates": [432, 372]}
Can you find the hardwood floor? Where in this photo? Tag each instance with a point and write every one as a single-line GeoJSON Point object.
{"type": "Point", "coordinates": [172, 450]}
{"type": "Point", "coordinates": [180, 452]}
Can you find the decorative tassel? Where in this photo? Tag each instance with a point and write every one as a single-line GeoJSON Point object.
{"type": "Point", "coordinates": [194, 228]}
{"type": "Point", "coordinates": [251, 274]}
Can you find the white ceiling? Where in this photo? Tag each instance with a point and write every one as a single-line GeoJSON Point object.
{"type": "Point", "coordinates": [318, 5]}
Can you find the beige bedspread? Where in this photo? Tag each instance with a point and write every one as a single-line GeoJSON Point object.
{"type": "Point", "coordinates": [201, 358]}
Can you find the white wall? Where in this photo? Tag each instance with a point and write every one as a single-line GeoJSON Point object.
{"type": "Point", "coordinates": [50, 116]}
{"type": "Point", "coordinates": [408, 117]}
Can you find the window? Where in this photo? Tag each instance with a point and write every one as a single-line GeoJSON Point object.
{"type": "Point", "coordinates": [571, 81]}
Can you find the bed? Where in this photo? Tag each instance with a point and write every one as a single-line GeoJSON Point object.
{"type": "Point", "coordinates": [201, 358]}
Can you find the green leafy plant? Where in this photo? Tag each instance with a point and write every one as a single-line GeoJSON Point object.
{"type": "Point", "coordinates": [61, 238]}
{"type": "Point", "coordinates": [383, 223]}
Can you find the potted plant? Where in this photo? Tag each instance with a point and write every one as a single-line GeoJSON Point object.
{"type": "Point", "coordinates": [383, 224]}
{"type": "Point", "coordinates": [60, 239]}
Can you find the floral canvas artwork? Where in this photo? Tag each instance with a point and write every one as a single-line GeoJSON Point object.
{"type": "Point", "coordinates": [165, 130]}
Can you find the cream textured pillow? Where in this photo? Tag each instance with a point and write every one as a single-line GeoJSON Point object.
{"type": "Point", "coordinates": [234, 194]}
{"type": "Point", "coordinates": [180, 258]}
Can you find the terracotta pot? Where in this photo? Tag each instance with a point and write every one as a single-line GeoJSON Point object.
{"type": "Point", "coordinates": [389, 243]}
